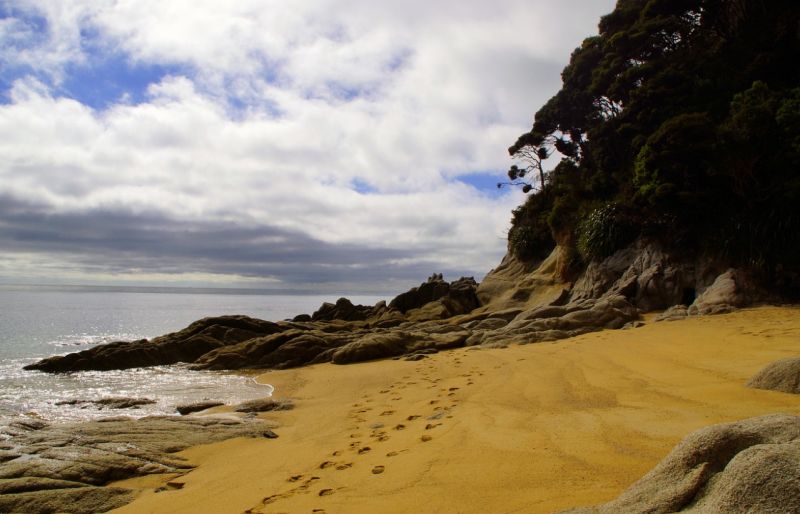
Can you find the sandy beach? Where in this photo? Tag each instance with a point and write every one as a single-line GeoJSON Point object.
{"type": "Point", "coordinates": [531, 428]}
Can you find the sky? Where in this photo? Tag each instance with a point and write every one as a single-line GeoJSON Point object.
{"type": "Point", "coordinates": [309, 145]}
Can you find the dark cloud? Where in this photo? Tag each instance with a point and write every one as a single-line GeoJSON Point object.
{"type": "Point", "coordinates": [119, 241]}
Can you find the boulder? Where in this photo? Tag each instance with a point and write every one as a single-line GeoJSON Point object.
{"type": "Point", "coordinates": [264, 405]}
{"type": "Point", "coordinates": [747, 466]}
{"type": "Point", "coordinates": [782, 375]}
{"type": "Point", "coordinates": [730, 290]}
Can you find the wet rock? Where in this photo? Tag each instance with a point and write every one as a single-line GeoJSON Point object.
{"type": "Point", "coordinates": [747, 466]}
{"type": "Point", "coordinates": [111, 403]}
{"type": "Point", "coordinates": [189, 408]}
{"type": "Point", "coordinates": [782, 375]}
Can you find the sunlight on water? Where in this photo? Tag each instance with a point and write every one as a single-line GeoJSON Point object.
{"type": "Point", "coordinates": [33, 394]}
{"type": "Point", "coordinates": [38, 322]}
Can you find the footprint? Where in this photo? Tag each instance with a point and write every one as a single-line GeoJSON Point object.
{"type": "Point", "coordinates": [377, 470]}
{"type": "Point", "coordinates": [400, 427]}
{"type": "Point", "coordinates": [387, 413]}
{"type": "Point", "coordinates": [336, 453]}
{"type": "Point", "coordinates": [325, 492]}
{"type": "Point", "coordinates": [425, 438]}
{"type": "Point", "coordinates": [431, 426]}
{"type": "Point", "coordinates": [412, 417]}
{"type": "Point", "coordinates": [326, 464]}
{"type": "Point", "coordinates": [294, 478]}
{"type": "Point", "coordinates": [344, 465]}
{"type": "Point", "coordinates": [364, 450]}
{"type": "Point", "coordinates": [453, 389]}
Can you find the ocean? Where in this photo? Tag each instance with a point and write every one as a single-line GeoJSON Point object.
{"type": "Point", "coordinates": [39, 321]}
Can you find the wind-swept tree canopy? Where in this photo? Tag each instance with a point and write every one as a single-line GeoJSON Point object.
{"type": "Point", "coordinates": [680, 121]}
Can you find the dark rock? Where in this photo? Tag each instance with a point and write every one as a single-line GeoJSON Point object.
{"type": "Point", "coordinates": [344, 310]}
{"type": "Point", "coordinates": [302, 318]}
{"type": "Point", "coordinates": [449, 299]}
{"type": "Point", "coordinates": [188, 408]}
{"type": "Point", "coordinates": [782, 375]}
{"type": "Point", "coordinates": [747, 466]}
{"type": "Point", "coordinates": [186, 345]}
{"type": "Point", "coordinates": [265, 405]}
{"type": "Point", "coordinates": [111, 403]}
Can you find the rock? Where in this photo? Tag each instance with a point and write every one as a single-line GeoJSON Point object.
{"type": "Point", "coordinates": [517, 283]}
{"type": "Point", "coordinates": [730, 290]}
{"type": "Point", "coordinates": [111, 403]}
{"type": "Point", "coordinates": [265, 405]}
{"type": "Point", "coordinates": [343, 309]}
{"type": "Point", "coordinates": [437, 299]}
{"type": "Point", "coordinates": [747, 466]}
{"type": "Point", "coordinates": [65, 465]}
{"type": "Point", "coordinates": [782, 375]}
{"type": "Point", "coordinates": [188, 408]}
{"type": "Point", "coordinates": [674, 313]}
{"type": "Point", "coordinates": [186, 345]}
{"type": "Point", "coordinates": [302, 318]}
{"type": "Point", "coordinates": [81, 500]}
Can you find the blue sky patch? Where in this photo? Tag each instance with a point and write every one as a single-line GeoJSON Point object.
{"type": "Point", "coordinates": [360, 186]}
{"type": "Point", "coordinates": [485, 182]}
{"type": "Point", "coordinates": [113, 79]}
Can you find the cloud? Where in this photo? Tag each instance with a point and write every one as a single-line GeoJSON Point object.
{"type": "Point", "coordinates": [328, 140]}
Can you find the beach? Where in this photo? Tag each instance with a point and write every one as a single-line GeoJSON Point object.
{"type": "Point", "coordinates": [529, 428]}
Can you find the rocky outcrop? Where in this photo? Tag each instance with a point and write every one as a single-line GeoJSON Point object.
{"type": "Point", "coordinates": [59, 468]}
{"type": "Point", "coordinates": [184, 346]}
{"type": "Point", "coordinates": [111, 403]}
{"type": "Point", "coordinates": [747, 466]}
{"type": "Point", "coordinates": [782, 375]}
{"type": "Point", "coordinates": [437, 299]}
{"type": "Point", "coordinates": [517, 303]}
{"type": "Point", "coordinates": [344, 310]}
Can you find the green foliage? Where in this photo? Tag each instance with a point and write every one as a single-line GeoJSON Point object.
{"type": "Point", "coordinates": [681, 119]}
{"type": "Point", "coordinates": [604, 231]}
{"type": "Point", "coordinates": [530, 237]}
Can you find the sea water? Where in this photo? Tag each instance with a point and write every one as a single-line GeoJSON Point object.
{"type": "Point", "coordinates": [40, 321]}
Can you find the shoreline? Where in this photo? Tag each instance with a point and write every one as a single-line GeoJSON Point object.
{"type": "Point", "coordinates": [533, 428]}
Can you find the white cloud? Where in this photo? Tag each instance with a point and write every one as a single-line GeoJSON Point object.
{"type": "Point", "coordinates": [402, 96]}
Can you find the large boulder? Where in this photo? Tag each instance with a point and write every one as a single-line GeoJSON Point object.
{"type": "Point", "coordinates": [782, 375]}
{"type": "Point", "coordinates": [730, 290]}
{"type": "Point", "coordinates": [747, 466]}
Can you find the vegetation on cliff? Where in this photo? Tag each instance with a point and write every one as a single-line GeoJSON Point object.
{"type": "Point", "coordinates": [679, 122]}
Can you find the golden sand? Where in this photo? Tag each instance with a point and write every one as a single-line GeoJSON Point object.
{"type": "Point", "coordinates": [533, 428]}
